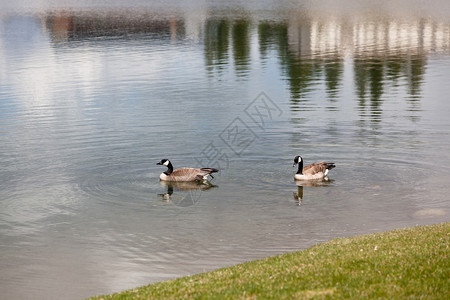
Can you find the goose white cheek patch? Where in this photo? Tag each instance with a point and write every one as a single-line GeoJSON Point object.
{"type": "Point", "coordinates": [166, 163]}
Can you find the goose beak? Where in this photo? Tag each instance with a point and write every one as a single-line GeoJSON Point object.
{"type": "Point", "coordinates": [294, 164]}
{"type": "Point", "coordinates": [159, 163]}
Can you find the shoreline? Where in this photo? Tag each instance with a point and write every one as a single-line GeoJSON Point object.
{"type": "Point", "coordinates": [397, 263]}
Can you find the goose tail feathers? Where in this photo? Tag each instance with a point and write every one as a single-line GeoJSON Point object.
{"type": "Point", "coordinates": [209, 170]}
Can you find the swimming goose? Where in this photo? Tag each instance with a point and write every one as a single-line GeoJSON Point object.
{"type": "Point", "coordinates": [311, 172]}
{"type": "Point", "coordinates": [184, 174]}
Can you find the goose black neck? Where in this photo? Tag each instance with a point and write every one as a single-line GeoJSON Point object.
{"type": "Point", "coordinates": [169, 169]}
{"type": "Point", "coordinates": [300, 167]}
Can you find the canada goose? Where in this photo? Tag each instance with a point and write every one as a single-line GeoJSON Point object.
{"type": "Point", "coordinates": [313, 171]}
{"type": "Point", "coordinates": [184, 174]}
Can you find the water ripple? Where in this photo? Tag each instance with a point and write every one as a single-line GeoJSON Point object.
{"type": "Point", "coordinates": [119, 186]}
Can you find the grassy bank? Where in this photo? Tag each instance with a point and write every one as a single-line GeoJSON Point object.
{"type": "Point", "coordinates": [404, 263]}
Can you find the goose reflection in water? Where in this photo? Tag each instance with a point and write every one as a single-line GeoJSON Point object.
{"type": "Point", "coordinates": [298, 196]}
{"type": "Point", "coordinates": [187, 192]}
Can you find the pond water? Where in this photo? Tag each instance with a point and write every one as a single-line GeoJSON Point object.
{"type": "Point", "coordinates": [92, 97]}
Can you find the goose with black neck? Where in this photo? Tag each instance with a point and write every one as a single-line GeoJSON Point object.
{"type": "Point", "coordinates": [315, 171]}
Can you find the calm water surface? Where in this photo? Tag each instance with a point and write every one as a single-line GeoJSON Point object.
{"type": "Point", "coordinates": [92, 97]}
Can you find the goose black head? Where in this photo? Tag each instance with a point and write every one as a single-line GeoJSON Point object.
{"type": "Point", "coordinates": [298, 159]}
{"type": "Point", "coordinates": [164, 162]}
{"type": "Point", "coordinates": [168, 164]}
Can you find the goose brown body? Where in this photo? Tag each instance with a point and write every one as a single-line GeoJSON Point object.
{"type": "Point", "coordinates": [313, 171]}
{"type": "Point", "coordinates": [187, 174]}
{"type": "Point", "coordinates": [184, 174]}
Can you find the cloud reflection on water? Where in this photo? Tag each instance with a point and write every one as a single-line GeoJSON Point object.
{"type": "Point", "coordinates": [309, 49]}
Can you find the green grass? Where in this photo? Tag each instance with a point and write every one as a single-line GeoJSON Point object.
{"type": "Point", "coordinates": [407, 263]}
